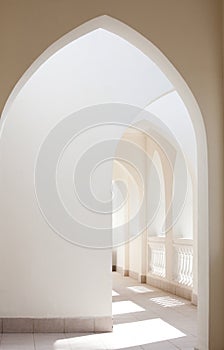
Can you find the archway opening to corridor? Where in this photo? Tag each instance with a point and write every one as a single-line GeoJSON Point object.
{"type": "Point", "coordinates": [100, 105]}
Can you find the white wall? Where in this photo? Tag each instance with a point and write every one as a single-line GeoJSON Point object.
{"type": "Point", "coordinates": [43, 275]}
{"type": "Point", "coordinates": [119, 217]}
{"type": "Point", "coordinates": [97, 68]}
{"type": "Point", "coordinates": [184, 220]}
{"type": "Point", "coordinates": [156, 200]}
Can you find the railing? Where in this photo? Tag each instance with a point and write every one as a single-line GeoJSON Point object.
{"type": "Point", "coordinates": [181, 253]}
{"type": "Point", "coordinates": [183, 262]}
{"type": "Point", "coordinates": [157, 256]}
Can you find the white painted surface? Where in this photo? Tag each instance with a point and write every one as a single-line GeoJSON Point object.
{"type": "Point", "coordinates": [97, 68]}
{"type": "Point", "coordinates": [42, 274]}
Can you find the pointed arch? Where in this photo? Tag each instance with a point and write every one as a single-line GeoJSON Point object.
{"type": "Point", "coordinates": [150, 50]}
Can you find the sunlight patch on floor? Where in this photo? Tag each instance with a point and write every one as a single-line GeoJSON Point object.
{"type": "Point", "coordinates": [125, 335]}
{"type": "Point", "coordinates": [167, 301]}
{"type": "Point", "coordinates": [125, 307]}
{"type": "Point", "coordinates": [140, 289]}
{"type": "Point", "coordinates": [114, 293]}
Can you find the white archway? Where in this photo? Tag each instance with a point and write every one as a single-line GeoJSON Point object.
{"type": "Point", "coordinates": [185, 93]}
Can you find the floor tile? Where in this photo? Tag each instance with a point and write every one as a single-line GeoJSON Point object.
{"type": "Point", "coordinates": [159, 346]}
{"type": "Point", "coordinates": [84, 342]}
{"type": "Point", "coordinates": [17, 341]}
{"type": "Point", "coordinates": [54, 341]}
{"type": "Point", "coordinates": [187, 342]}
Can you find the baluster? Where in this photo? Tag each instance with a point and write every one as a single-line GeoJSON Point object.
{"type": "Point", "coordinates": [152, 260]}
{"type": "Point", "coordinates": [182, 265]}
{"type": "Point", "coordinates": [191, 268]}
{"type": "Point", "coordinates": [156, 262]}
{"type": "Point", "coordinates": [160, 262]}
{"type": "Point", "coordinates": [185, 266]}
{"type": "Point", "coordinates": [164, 263]}
{"type": "Point", "coordinates": [177, 264]}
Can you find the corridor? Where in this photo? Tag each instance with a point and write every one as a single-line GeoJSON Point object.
{"type": "Point", "coordinates": [144, 318]}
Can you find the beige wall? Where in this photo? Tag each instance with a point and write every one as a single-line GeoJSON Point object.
{"type": "Point", "coordinates": [179, 29]}
{"type": "Point", "coordinates": [188, 32]}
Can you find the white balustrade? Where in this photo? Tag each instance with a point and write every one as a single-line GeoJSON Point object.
{"type": "Point", "coordinates": [183, 262]}
{"type": "Point", "coordinates": [182, 259]}
{"type": "Point", "coordinates": [157, 257]}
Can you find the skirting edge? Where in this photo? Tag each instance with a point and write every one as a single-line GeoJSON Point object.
{"type": "Point", "coordinates": [56, 325]}
{"type": "Point", "coordinates": [171, 287]}
{"type": "Point", "coordinates": [122, 271]}
{"type": "Point", "coordinates": [132, 274]}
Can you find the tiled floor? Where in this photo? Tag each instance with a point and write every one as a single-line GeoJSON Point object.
{"type": "Point", "coordinates": [144, 318]}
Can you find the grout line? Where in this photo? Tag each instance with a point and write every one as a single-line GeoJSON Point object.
{"type": "Point", "coordinates": [177, 347]}
{"type": "Point", "coordinates": [34, 342]}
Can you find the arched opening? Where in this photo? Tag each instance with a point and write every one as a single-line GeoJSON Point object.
{"type": "Point", "coordinates": [44, 102]}
{"type": "Point", "coordinates": [159, 253]}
